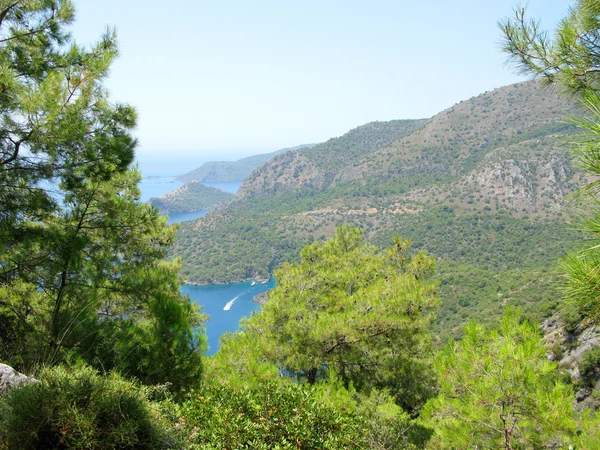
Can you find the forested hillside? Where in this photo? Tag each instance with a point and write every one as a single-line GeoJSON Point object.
{"type": "Point", "coordinates": [480, 185]}
{"type": "Point", "coordinates": [192, 196]}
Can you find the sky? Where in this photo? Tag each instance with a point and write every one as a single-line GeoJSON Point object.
{"type": "Point", "coordinates": [225, 79]}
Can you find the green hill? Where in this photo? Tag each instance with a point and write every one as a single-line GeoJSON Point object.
{"type": "Point", "coordinates": [480, 186]}
{"type": "Point", "coordinates": [192, 196]}
{"type": "Point", "coordinates": [228, 171]}
{"type": "Point", "coordinates": [317, 166]}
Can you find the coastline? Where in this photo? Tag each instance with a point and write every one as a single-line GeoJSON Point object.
{"type": "Point", "coordinates": [261, 281]}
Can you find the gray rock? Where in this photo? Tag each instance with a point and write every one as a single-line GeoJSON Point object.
{"type": "Point", "coordinates": [261, 298]}
{"type": "Point", "coordinates": [10, 377]}
{"type": "Point", "coordinates": [571, 346]}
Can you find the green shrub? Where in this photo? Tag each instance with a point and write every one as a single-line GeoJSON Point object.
{"type": "Point", "coordinates": [589, 366]}
{"type": "Point", "coordinates": [78, 408]}
{"type": "Point", "coordinates": [572, 315]}
{"type": "Point", "coordinates": [273, 415]}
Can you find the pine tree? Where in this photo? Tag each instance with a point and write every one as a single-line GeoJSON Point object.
{"type": "Point", "coordinates": [356, 311]}
{"type": "Point", "coordinates": [498, 390]}
{"type": "Point", "coordinates": [81, 270]}
{"type": "Point", "coordinates": [570, 60]}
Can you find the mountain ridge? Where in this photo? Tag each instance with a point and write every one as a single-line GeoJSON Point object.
{"type": "Point", "coordinates": [458, 144]}
{"type": "Point", "coordinates": [231, 171]}
{"type": "Point", "coordinates": [313, 169]}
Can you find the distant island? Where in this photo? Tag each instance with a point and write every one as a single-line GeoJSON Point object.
{"type": "Point", "coordinates": [228, 171]}
{"type": "Point", "coordinates": [192, 196]}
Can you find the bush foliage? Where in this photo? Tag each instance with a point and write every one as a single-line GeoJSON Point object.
{"type": "Point", "coordinates": [79, 408]}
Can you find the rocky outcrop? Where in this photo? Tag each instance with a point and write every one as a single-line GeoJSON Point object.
{"type": "Point", "coordinates": [9, 377]}
{"type": "Point", "coordinates": [525, 185]}
{"type": "Point", "coordinates": [261, 298]}
{"type": "Point", "coordinates": [567, 349]}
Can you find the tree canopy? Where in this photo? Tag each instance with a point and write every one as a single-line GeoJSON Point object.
{"type": "Point", "coordinates": [570, 58]}
{"type": "Point", "coordinates": [81, 269]}
{"type": "Point", "coordinates": [498, 390]}
{"type": "Point", "coordinates": [351, 309]}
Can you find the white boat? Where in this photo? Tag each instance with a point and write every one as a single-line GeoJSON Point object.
{"type": "Point", "coordinates": [253, 283]}
{"type": "Point", "coordinates": [230, 303]}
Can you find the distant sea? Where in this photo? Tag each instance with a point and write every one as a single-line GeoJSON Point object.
{"type": "Point", "coordinates": [160, 179]}
{"type": "Point", "coordinates": [168, 164]}
{"type": "Point", "coordinates": [156, 186]}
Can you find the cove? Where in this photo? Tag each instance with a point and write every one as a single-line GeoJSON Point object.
{"type": "Point", "coordinates": [226, 305]}
{"type": "Point", "coordinates": [185, 216]}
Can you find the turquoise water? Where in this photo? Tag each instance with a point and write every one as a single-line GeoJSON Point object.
{"type": "Point", "coordinates": [154, 187]}
{"type": "Point", "coordinates": [213, 298]}
{"type": "Point", "coordinates": [166, 165]}
{"type": "Point", "coordinates": [237, 298]}
{"type": "Point", "coordinates": [185, 216]}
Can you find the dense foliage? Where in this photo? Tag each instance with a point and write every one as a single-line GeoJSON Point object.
{"type": "Point", "coordinates": [350, 309]}
{"type": "Point", "coordinates": [498, 390]}
{"type": "Point", "coordinates": [272, 415]}
{"type": "Point", "coordinates": [81, 269]}
{"type": "Point", "coordinates": [77, 408]}
{"type": "Point", "coordinates": [349, 323]}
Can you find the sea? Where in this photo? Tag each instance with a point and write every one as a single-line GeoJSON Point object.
{"type": "Point", "coordinates": [225, 304]}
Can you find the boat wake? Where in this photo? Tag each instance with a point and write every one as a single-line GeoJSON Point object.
{"type": "Point", "coordinates": [230, 303]}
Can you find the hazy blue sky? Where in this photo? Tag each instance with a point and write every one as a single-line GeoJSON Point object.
{"type": "Point", "coordinates": [222, 79]}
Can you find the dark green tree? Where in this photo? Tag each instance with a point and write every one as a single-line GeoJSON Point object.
{"type": "Point", "coordinates": [351, 309]}
{"type": "Point", "coordinates": [570, 60]}
{"type": "Point", "coordinates": [81, 270]}
{"type": "Point", "coordinates": [498, 390]}
{"type": "Point", "coordinates": [272, 415]}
